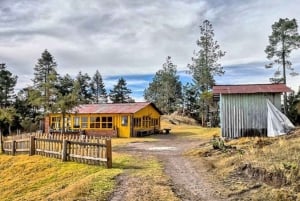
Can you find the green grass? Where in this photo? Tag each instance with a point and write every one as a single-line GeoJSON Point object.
{"type": "Point", "coordinates": [40, 178]}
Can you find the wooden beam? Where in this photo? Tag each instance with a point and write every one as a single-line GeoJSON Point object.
{"type": "Point", "coordinates": [32, 145]}
{"type": "Point", "coordinates": [108, 153]}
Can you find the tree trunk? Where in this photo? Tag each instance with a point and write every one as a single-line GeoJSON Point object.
{"type": "Point", "coordinates": [284, 76]}
{"type": "Point", "coordinates": [63, 122]}
{"type": "Point", "coordinates": [1, 144]}
{"type": "Point", "coordinates": [9, 129]}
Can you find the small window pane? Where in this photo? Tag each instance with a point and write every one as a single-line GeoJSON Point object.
{"type": "Point", "coordinates": [124, 120]}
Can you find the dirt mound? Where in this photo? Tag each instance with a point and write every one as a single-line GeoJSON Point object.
{"type": "Point", "coordinates": [275, 179]}
{"type": "Point", "coordinates": [176, 119]}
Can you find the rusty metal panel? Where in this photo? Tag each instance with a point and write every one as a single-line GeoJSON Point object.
{"type": "Point", "coordinates": [250, 89]}
{"type": "Point", "coordinates": [245, 114]}
{"type": "Point", "coordinates": [112, 108]}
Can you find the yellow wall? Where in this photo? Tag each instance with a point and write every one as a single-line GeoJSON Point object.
{"type": "Point", "coordinates": [123, 123]}
{"type": "Point", "coordinates": [152, 114]}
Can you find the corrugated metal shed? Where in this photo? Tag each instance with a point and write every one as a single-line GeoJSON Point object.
{"type": "Point", "coordinates": [243, 108]}
{"type": "Point", "coordinates": [112, 108]}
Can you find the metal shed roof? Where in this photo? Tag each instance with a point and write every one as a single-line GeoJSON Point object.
{"type": "Point", "coordinates": [112, 108]}
{"type": "Point", "coordinates": [250, 89]}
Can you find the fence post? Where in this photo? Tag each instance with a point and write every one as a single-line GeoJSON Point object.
{"type": "Point", "coordinates": [13, 151]}
{"type": "Point", "coordinates": [32, 145]}
{"type": "Point", "coordinates": [64, 150]}
{"type": "Point", "coordinates": [1, 143]}
{"type": "Point", "coordinates": [108, 153]}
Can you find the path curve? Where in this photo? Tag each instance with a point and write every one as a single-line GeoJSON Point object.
{"type": "Point", "coordinates": [189, 180]}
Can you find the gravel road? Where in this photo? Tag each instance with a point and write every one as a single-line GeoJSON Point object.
{"type": "Point", "coordinates": [190, 179]}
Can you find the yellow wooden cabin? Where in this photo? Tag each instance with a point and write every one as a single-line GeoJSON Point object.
{"type": "Point", "coordinates": [111, 119]}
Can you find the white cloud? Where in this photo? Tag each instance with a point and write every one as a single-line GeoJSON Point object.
{"type": "Point", "coordinates": [134, 37]}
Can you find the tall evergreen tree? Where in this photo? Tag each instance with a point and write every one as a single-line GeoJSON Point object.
{"type": "Point", "coordinates": [205, 66]}
{"type": "Point", "coordinates": [67, 100]}
{"type": "Point", "coordinates": [45, 78]}
{"type": "Point", "coordinates": [65, 84]}
{"type": "Point", "coordinates": [293, 111]}
{"type": "Point", "coordinates": [165, 88]}
{"type": "Point", "coordinates": [282, 41]}
{"type": "Point", "coordinates": [7, 116]}
{"type": "Point", "coordinates": [190, 99]}
{"type": "Point", "coordinates": [7, 84]}
{"type": "Point", "coordinates": [120, 93]}
{"type": "Point", "coordinates": [85, 91]}
{"type": "Point", "coordinates": [25, 110]}
{"type": "Point", "coordinates": [99, 94]}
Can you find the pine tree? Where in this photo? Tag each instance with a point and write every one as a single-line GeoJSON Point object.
{"type": "Point", "coordinates": [85, 91]}
{"type": "Point", "coordinates": [67, 101]}
{"type": "Point", "coordinates": [282, 41]}
{"type": "Point", "coordinates": [65, 84]}
{"type": "Point", "coordinates": [99, 94]}
{"type": "Point", "coordinates": [190, 99]}
{"type": "Point", "coordinates": [293, 111]}
{"type": "Point", "coordinates": [7, 116]}
{"type": "Point", "coordinates": [7, 84]}
{"type": "Point", "coordinates": [45, 78]}
{"type": "Point", "coordinates": [205, 66]}
{"type": "Point", "coordinates": [120, 93]}
{"type": "Point", "coordinates": [165, 88]}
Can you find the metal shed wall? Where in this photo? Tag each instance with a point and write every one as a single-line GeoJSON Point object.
{"type": "Point", "coordinates": [245, 114]}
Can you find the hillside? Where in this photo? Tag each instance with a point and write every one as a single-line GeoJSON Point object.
{"type": "Point", "coordinates": [255, 168]}
{"type": "Point", "coordinates": [39, 178]}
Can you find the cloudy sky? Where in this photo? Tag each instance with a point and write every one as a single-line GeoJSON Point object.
{"type": "Point", "coordinates": [132, 38]}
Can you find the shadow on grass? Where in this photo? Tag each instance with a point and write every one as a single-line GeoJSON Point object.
{"type": "Point", "coordinates": [184, 134]}
{"type": "Point", "coordinates": [126, 166]}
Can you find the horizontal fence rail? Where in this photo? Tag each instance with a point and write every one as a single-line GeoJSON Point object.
{"type": "Point", "coordinates": [82, 149]}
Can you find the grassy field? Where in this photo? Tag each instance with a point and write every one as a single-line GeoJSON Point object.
{"type": "Point", "coordinates": [39, 178]}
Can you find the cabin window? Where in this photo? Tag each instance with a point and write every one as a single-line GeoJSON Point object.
{"type": "Point", "coordinates": [124, 120]}
{"type": "Point", "coordinates": [146, 121]}
{"type": "Point", "coordinates": [154, 122]}
{"type": "Point", "coordinates": [55, 123]}
{"type": "Point", "coordinates": [84, 122]}
{"type": "Point", "coordinates": [137, 122]}
{"type": "Point", "coordinates": [95, 122]}
{"type": "Point", "coordinates": [67, 123]}
{"type": "Point", "coordinates": [106, 122]}
{"type": "Point", "coordinates": [76, 121]}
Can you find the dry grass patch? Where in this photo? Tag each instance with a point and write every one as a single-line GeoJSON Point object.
{"type": "Point", "coordinates": [258, 168]}
{"type": "Point", "coordinates": [146, 181]}
{"type": "Point", "coordinates": [192, 131]}
{"type": "Point", "coordinates": [123, 141]}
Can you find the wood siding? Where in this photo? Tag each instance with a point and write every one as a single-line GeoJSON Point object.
{"type": "Point", "coordinates": [113, 125]}
{"type": "Point", "coordinates": [147, 120]}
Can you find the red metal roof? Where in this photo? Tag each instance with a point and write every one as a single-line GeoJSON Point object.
{"type": "Point", "coordinates": [112, 108]}
{"type": "Point", "coordinates": [250, 89]}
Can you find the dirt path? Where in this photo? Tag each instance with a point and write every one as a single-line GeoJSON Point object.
{"type": "Point", "coordinates": [189, 178]}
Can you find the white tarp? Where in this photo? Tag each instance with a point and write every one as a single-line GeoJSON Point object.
{"type": "Point", "coordinates": [278, 123]}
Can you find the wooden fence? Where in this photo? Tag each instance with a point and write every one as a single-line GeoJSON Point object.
{"type": "Point", "coordinates": [75, 148]}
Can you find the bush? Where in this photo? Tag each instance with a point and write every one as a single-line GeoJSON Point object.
{"type": "Point", "coordinates": [218, 143]}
